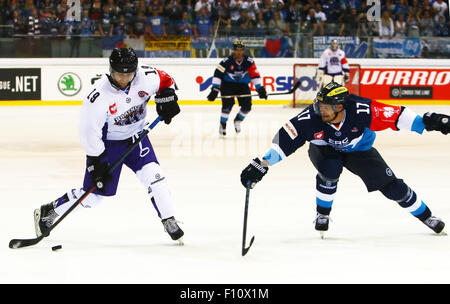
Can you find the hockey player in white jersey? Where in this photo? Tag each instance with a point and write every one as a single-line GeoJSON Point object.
{"type": "Point", "coordinates": [333, 66]}
{"type": "Point", "coordinates": [112, 117]}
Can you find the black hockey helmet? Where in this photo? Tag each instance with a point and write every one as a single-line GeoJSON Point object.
{"type": "Point", "coordinates": [238, 44]}
{"type": "Point", "coordinates": [333, 94]}
{"type": "Point", "coordinates": [123, 60]}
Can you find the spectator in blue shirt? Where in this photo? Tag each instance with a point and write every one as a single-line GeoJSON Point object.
{"type": "Point", "coordinates": [88, 27]}
{"type": "Point", "coordinates": [185, 26]}
{"type": "Point", "coordinates": [441, 28]}
{"type": "Point", "coordinates": [157, 26]}
{"type": "Point", "coordinates": [203, 26]}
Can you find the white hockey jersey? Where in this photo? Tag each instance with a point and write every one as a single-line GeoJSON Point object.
{"type": "Point", "coordinates": [333, 63]}
{"type": "Point", "coordinates": [114, 114]}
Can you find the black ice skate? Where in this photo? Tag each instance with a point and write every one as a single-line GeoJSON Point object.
{"type": "Point", "coordinates": [223, 129]}
{"type": "Point", "coordinates": [171, 227]}
{"type": "Point", "coordinates": [435, 224]}
{"type": "Point", "coordinates": [237, 125]}
{"type": "Point", "coordinates": [43, 219]}
{"type": "Point", "coordinates": [322, 222]}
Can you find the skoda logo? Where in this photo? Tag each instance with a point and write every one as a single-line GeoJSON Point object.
{"type": "Point", "coordinates": [69, 84]}
{"type": "Point", "coordinates": [395, 92]}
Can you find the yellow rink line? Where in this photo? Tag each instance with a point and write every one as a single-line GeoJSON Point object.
{"type": "Point", "coordinates": [218, 102]}
{"type": "Point", "coordinates": [78, 102]}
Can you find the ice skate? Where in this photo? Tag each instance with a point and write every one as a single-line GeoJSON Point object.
{"type": "Point", "coordinates": [435, 224]}
{"type": "Point", "coordinates": [171, 227]}
{"type": "Point", "coordinates": [322, 222]}
{"type": "Point", "coordinates": [44, 218]}
{"type": "Point", "coordinates": [237, 125]}
{"type": "Point", "coordinates": [223, 129]}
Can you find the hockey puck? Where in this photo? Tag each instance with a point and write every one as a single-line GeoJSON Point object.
{"type": "Point", "coordinates": [57, 247]}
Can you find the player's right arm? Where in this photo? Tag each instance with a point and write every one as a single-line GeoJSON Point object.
{"type": "Point", "coordinates": [219, 74]}
{"type": "Point", "coordinates": [91, 126]}
{"type": "Point", "coordinates": [93, 116]}
{"type": "Point", "coordinates": [288, 139]}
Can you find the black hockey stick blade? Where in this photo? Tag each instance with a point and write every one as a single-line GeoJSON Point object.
{"type": "Point", "coordinates": [19, 243]}
{"type": "Point", "coordinates": [244, 249]}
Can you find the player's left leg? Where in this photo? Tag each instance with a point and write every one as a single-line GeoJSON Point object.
{"type": "Point", "coordinates": [376, 174]}
{"type": "Point", "coordinates": [328, 163]}
{"type": "Point", "coordinates": [245, 104]}
{"type": "Point", "coordinates": [144, 163]}
{"type": "Point", "coordinates": [398, 191]}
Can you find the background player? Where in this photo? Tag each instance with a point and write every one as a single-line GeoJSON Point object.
{"type": "Point", "coordinates": [333, 66]}
{"type": "Point", "coordinates": [341, 130]}
{"type": "Point", "coordinates": [112, 116]}
{"type": "Point", "coordinates": [232, 77]}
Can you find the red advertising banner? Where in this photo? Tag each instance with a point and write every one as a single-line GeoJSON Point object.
{"type": "Point", "coordinates": [405, 83]}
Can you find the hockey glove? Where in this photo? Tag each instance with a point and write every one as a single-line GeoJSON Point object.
{"type": "Point", "coordinates": [166, 104]}
{"type": "Point", "coordinates": [346, 77]}
{"type": "Point", "coordinates": [262, 92]}
{"type": "Point", "coordinates": [98, 168]}
{"type": "Point", "coordinates": [436, 122]}
{"type": "Point", "coordinates": [253, 173]}
{"type": "Point", "coordinates": [213, 94]}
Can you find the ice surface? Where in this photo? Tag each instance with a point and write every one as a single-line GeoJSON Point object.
{"type": "Point", "coordinates": [371, 239]}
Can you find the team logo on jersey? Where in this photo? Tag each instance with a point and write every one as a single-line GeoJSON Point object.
{"type": "Point", "coordinates": [113, 109]}
{"type": "Point", "coordinates": [290, 130]}
{"type": "Point", "coordinates": [142, 94]}
{"type": "Point", "coordinates": [388, 112]}
{"type": "Point", "coordinates": [69, 84]}
{"type": "Point", "coordinates": [318, 135]}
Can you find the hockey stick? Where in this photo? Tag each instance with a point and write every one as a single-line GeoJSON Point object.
{"type": "Point", "coordinates": [295, 87]}
{"type": "Point", "coordinates": [244, 233]}
{"type": "Point", "coordinates": [19, 243]}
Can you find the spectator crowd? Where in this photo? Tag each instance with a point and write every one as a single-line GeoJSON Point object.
{"type": "Point", "coordinates": [199, 18]}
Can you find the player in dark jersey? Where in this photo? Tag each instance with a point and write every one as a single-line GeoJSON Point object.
{"type": "Point", "coordinates": [232, 77]}
{"type": "Point", "coordinates": [341, 130]}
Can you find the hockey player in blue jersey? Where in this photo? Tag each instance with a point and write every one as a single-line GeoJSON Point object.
{"type": "Point", "coordinates": [231, 78]}
{"type": "Point", "coordinates": [341, 130]}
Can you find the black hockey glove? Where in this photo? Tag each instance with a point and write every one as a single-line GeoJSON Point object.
{"type": "Point", "coordinates": [213, 94]}
{"type": "Point", "coordinates": [98, 168]}
{"type": "Point", "coordinates": [346, 77]}
{"type": "Point", "coordinates": [253, 173]}
{"type": "Point", "coordinates": [437, 122]}
{"type": "Point", "coordinates": [167, 105]}
{"type": "Point", "coordinates": [262, 92]}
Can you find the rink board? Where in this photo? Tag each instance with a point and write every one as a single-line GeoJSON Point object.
{"type": "Point", "coordinates": [66, 80]}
